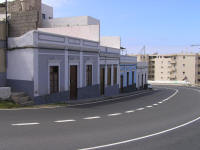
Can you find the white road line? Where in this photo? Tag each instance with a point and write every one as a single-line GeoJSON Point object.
{"type": "Point", "coordinates": [143, 137]}
{"type": "Point", "coordinates": [149, 106]}
{"type": "Point", "coordinates": [90, 118]}
{"type": "Point", "coordinates": [116, 114]}
{"type": "Point", "coordinates": [139, 109]}
{"type": "Point", "coordinates": [63, 121]}
{"type": "Point", "coordinates": [196, 90]}
{"type": "Point", "coordinates": [155, 104]}
{"type": "Point", "coordinates": [26, 124]}
{"type": "Point", "coordinates": [160, 102]}
{"type": "Point", "coordinates": [130, 111]}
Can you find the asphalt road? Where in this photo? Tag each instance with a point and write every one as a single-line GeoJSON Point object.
{"type": "Point", "coordinates": [165, 119]}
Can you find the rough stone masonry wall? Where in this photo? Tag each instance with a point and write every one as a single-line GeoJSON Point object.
{"type": "Point", "coordinates": [25, 16]}
{"type": "Point", "coordinates": [2, 54]}
{"type": "Point", "coordinates": [23, 22]}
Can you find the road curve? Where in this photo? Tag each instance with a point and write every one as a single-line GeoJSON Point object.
{"type": "Point", "coordinates": [164, 119]}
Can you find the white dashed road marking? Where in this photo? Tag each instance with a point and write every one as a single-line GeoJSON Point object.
{"type": "Point", "coordinates": [26, 124]}
{"type": "Point", "coordinates": [155, 104]}
{"type": "Point", "coordinates": [63, 121]}
{"type": "Point", "coordinates": [160, 102]}
{"type": "Point", "coordinates": [149, 106]}
{"type": "Point", "coordinates": [116, 114]}
{"type": "Point", "coordinates": [90, 118]}
{"type": "Point", "coordinates": [130, 111]}
{"type": "Point", "coordinates": [139, 109]}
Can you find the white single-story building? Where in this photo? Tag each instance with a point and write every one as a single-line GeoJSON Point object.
{"type": "Point", "coordinates": [51, 67]}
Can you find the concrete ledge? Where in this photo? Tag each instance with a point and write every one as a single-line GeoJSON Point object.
{"type": "Point", "coordinates": [72, 103]}
{"type": "Point", "coordinates": [5, 93]}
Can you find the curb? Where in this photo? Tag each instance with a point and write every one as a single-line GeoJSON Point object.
{"type": "Point", "coordinates": [109, 99]}
{"type": "Point", "coordinates": [87, 102]}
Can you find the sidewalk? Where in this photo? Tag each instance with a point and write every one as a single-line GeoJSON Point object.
{"type": "Point", "coordinates": [106, 99]}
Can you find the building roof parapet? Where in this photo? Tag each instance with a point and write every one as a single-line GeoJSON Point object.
{"type": "Point", "coordinates": [39, 39]}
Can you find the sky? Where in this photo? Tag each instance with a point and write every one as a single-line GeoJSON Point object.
{"type": "Point", "coordinates": [163, 26]}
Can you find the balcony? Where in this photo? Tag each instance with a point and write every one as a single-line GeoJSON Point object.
{"type": "Point", "coordinates": [173, 61]}
{"type": "Point", "coordinates": [172, 69]}
{"type": "Point", "coordinates": [172, 76]}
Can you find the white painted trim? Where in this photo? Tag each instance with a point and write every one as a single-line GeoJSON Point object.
{"type": "Point", "coordinates": [112, 75]}
{"type": "Point", "coordinates": [36, 72]}
{"type": "Point", "coordinates": [51, 54]}
{"type": "Point", "coordinates": [66, 70]}
{"type": "Point", "coordinates": [83, 55]}
{"type": "Point", "coordinates": [98, 70]}
{"type": "Point", "coordinates": [85, 72]}
{"type": "Point", "coordinates": [81, 69]}
{"type": "Point", "coordinates": [68, 54]}
{"type": "Point", "coordinates": [50, 64]}
{"type": "Point", "coordinates": [106, 75]}
{"type": "Point", "coordinates": [118, 75]}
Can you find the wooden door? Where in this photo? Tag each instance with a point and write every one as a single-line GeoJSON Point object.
{"type": "Point", "coordinates": [122, 84]}
{"type": "Point", "coordinates": [54, 79]}
{"type": "Point", "coordinates": [73, 82]}
{"type": "Point", "coordinates": [102, 81]}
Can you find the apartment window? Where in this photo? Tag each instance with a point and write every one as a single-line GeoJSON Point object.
{"type": "Point", "coordinates": [198, 65]}
{"type": "Point", "coordinates": [161, 72]}
{"type": "Point", "coordinates": [89, 75]}
{"type": "Point", "coordinates": [183, 65]}
{"type": "Point", "coordinates": [184, 73]}
{"type": "Point", "coordinates": [43, 16]}
{"type": "Point", "coordinates": [127, 79]}
{"type": "Point", "coordinates": [109, 76]}
{"type": "Point", "coordinates": [115, 75]}
{"type": "Point", "coordinates": [183, 57]}
{"type": "Point", "coordinates": [198, 72]}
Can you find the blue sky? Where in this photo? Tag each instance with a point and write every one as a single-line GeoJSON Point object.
{"type": "Point", "coordinates": [164, 26]}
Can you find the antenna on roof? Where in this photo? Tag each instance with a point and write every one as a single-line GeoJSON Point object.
{"type": "Point", "coordinates": [143, 50]}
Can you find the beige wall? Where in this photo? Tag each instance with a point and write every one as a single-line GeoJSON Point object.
{"type": "Point", "coordinates": [89, 32]}
{"type": "Point", "coordinates": [162, 69]}
{"type": "Point", "coordinates": [111, 41]}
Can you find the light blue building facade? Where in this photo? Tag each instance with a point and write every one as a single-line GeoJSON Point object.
{"type": "Point", "coordinates": [128, 73]}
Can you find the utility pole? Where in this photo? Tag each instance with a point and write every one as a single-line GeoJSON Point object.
{"type": "Point", "coordinates": [6, 5]}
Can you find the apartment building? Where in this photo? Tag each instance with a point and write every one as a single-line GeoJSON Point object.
{"type": "Point", "coordinates": [173, 67]}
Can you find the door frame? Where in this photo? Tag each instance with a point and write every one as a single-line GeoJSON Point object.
{"type": "Point", "coordinates": [53, 65]}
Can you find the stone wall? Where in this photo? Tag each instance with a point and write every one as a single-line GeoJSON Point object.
{"type": "Point", "coordinates": [2, 54]}
{"type": "Point", "coordinates": [25, 16]}
{"type": "Point", "coordinates": [22, 22]}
